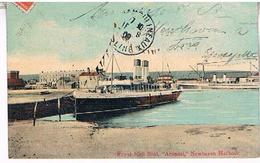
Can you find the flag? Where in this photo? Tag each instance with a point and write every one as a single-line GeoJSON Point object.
{"type": "Point", "coordinates": [107, 52]}
{"type": "Point", "coordinates": [97, 70]}
{"type": "Point", "coordinates": [103, 58]}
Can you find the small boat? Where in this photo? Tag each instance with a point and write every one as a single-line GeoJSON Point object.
{"type": "Point", "coordinates": [45, 92]}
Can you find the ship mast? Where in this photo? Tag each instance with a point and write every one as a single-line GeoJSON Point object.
{"type": "Point", "coordinates": [112, 67]}
{"type": "Point", "coordinates": [112, 71]}
{"type": "Point", "coordinates": [250, 63]}
{"type": "Point", "coordinates": [162, 65]}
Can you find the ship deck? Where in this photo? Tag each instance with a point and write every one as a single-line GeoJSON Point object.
{"type": "Point", "coordinates": [82, 95]}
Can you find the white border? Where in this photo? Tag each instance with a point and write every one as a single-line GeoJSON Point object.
{"type": "Point", "coordinates": [3, 103]}
{"type": "Point", "coordinates": [133, 1]}
{"type": "Point", "coordinates": [3, 87]}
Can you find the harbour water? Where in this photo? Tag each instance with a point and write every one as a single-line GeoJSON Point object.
{"type": "Point", "coordinates": [197, 107]}
{"type": "Point", "coordinates": [193, 107]}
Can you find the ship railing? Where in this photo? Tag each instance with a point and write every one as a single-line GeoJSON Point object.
{"type": "Point", "coordinates": [141, 88]}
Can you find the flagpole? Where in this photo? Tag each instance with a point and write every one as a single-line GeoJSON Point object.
{"type": "Point", "coordinates": [112, 69]}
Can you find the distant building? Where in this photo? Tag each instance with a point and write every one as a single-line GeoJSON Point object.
{"type": "Point", "coordinates": [55, 78]}
{"type": "Point", "coordinates": [66, 83]}
{"type": "Point", "coordinates": [14, 82]}
{"type": "Point", "coordinates": [228, 77]}
{"type": "Point", "coordinates": [89, 80]}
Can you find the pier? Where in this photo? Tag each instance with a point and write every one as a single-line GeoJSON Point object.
{"type": "Point", "coordinates": [25, 105]}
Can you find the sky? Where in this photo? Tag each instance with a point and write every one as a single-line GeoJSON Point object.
{"type": "Point", "coordinates": [49, 38]}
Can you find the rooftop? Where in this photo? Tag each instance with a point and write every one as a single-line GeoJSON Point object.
{"type": "Point", "coordinates": [89, 74]}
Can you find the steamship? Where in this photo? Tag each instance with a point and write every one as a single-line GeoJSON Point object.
{"type": "Point", "coordinates": [115, 96]}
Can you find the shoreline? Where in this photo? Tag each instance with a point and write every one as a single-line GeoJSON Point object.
{"type": "Point", "coordinates": [74, 139]}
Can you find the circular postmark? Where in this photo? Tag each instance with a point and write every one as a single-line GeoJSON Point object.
{"type": "Point", "coordinates": [135, 33]}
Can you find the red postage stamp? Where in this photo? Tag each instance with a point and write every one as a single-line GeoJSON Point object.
{"type": "Point", "coordinates": [25, 6]}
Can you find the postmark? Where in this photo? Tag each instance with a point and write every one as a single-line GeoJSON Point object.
{"type": "Point", "coordinates": [135, 33]}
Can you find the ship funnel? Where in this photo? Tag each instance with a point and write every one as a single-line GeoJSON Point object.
{"type": "Point", "coordinates": [137, 74]}
{"type": "Point", "coordinates": [145, 70]}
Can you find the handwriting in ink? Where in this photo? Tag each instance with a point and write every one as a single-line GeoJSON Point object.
{"type": "Point", "coordinates": [181, 44]}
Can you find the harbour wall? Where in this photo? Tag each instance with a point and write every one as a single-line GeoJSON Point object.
{"type": "Point", "coordinates": [25, 111]}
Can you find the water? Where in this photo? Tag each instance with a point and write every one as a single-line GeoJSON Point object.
{"type": "Point", "coordinates": [64, 117]}
{"type": "Point", "coordinates": [197, 107]}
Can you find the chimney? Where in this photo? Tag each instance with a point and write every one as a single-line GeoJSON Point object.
{"type": "Point", "coordinates": [145, 70]}
{"type": "Point", "coordinates": [137, 74]}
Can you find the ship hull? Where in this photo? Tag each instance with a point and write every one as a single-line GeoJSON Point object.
{"type": "Point", "coordinates": [103, 107]}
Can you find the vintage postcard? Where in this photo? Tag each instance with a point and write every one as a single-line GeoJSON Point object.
{"type": "Point", "coordinates": [132, 80]}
